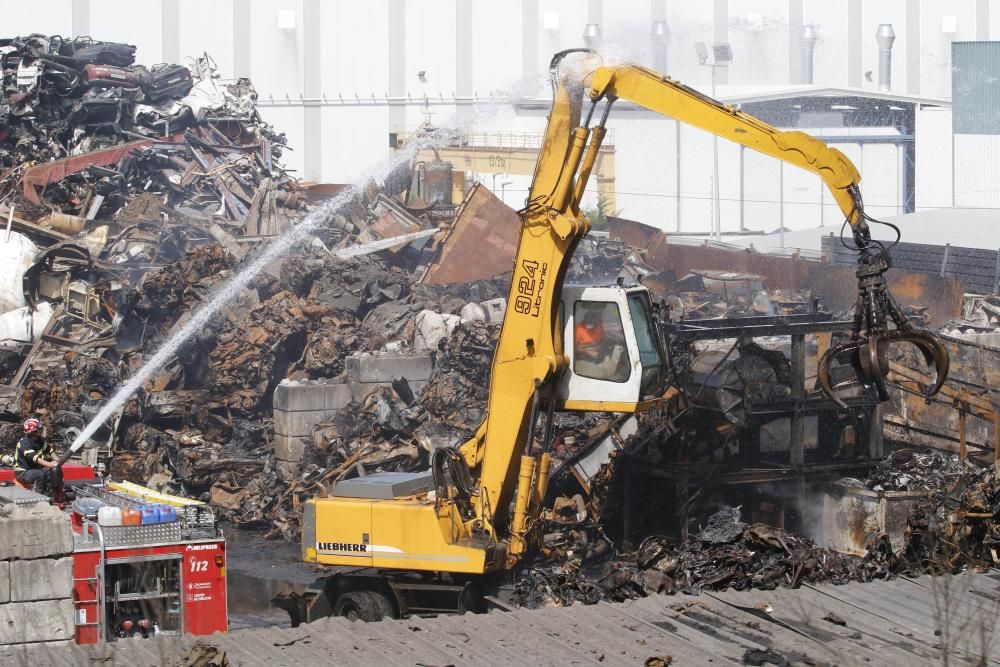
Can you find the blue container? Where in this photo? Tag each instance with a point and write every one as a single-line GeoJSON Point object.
{"type": "Point", "coordinates": [167, 513]}
{"type": "Point", "coordinates": [149, 515]}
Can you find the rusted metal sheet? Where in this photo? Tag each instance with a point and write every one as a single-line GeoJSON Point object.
{"type": "Point", "coordinates": [631, 232]}
{"type": "Point", "coordinates": [852, 515]}
{"type": "Point", "coordinates": [392, 220]}
{"type": "Point", "coordinates": [481, 244]}
{"type": "Point", "coordinates": [57, 170]}
{"type": "Point", "coordinates": [836, 286]}
{"type": "Point", "coordinates": [967, 402]}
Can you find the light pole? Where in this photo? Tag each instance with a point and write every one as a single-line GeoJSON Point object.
{"type": "Point", "coordinates": [660, 35]}
{"type": "Point", "coordinates": [722, 55]}
{"type": "Point", "coordinates": [503, 190]}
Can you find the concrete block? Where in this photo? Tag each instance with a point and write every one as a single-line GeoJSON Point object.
{"type": "Point", "coordinates": [4, 582]}
{"type": "Point", "coordinates": [362, 389]}
{"type": "Point", "coordinates": [299, 396]}
{"type": "Point", "coordinates": [289, 447]}
{"type": "Point", "coordinates": [385, 367]}
{"type": "Point", "coordinates": [33, 531]}
{"type": "Point", "coordinates": [41, 579]}
{"type": "Point", "coordinates": [298, 423]}
{"type": "Point", "coordinates": [46, 621]}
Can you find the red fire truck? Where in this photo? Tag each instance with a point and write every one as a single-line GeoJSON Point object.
{"type": "Point", "coordinates": [137, 577]}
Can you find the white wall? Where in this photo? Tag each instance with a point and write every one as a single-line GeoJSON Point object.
{"type": "Point", "coordinates": [977, 175]}
{"type": "Point", "coordinates": [933, 169]}
{"type": "Point", "coordinates": [49, 17]}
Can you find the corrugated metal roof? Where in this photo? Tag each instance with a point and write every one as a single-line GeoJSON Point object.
{"type": "Point", "coordinates": [886, 622]}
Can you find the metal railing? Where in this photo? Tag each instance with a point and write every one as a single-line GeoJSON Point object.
{"type": "Point", "coordinates": [500, 140]}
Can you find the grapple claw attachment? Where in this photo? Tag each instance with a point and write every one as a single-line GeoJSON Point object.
{"type": "Point", "coordinates": [934, 354]}
{"type": "Point", "coordinates": [868, 349]}
{"type": "Point", "coordinates": [870, 362]}
{"type": "Point", "coordinates": [870, 359]}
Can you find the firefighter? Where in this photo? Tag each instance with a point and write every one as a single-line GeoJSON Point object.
{"type": "Point", "coordinates": [34, 459]}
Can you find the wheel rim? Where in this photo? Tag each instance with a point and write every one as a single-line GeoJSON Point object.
{"type": "Point", "coordinates": [351, 614]}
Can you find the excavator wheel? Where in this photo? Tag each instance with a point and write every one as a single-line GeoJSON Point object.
{"type": "Point", "coordinates": [367, 606]}
{"type": "Point", "coordinates": [385, 607]}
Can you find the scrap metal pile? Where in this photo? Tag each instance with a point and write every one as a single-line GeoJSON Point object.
{"type": "Point", "coordinates": [956, 525]}
{"type": "Point", "coordinates": [83, 130]}
{"type": "Point", "coordinates": [582, 565]}
{"type": "Point", "coordinates": [952, 529]}
{"type": "Point", "coordinates": [130, 195]}
{"type": "Point", "coordinates": [202, 427]}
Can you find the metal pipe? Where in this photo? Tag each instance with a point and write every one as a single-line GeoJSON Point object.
{"type": "Point", "coordinates": [962, 445]}
{"type": "Point", "coordinates": [380, 101]}
{"type": "Point", "coordinates": [743, 226]}
{"type": "Point", "coordinates": [677, 125]}
{"type": "Point", "coordinates": [102, 629]}
{"type": "Point", "coordinates": [885, 37]}
{"type": "Point", "coordinates": [781, 203]}
{"type": "Point", "coordinates": [809, 39]}
{"type": "Point", "coordinates": [716, 197]}
{"type": "Point", "coordinates": [661, 38]}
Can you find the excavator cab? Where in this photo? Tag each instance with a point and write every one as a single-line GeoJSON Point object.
{"type": "Point", "coordinates": [616, 356]}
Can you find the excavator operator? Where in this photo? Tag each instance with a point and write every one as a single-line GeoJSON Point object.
{"type": "Point", "coordinates": [598, 343]}
{"type": "Point", "coordinates": [590, 339]}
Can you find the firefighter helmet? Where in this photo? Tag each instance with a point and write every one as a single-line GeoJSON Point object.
{"type": "Point", "coordinates": [32, 425]}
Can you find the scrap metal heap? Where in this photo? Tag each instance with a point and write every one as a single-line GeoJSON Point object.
{"type": "Point", "coordinates": [83, 130]}
{"type": "Point", "coordinates": [951, 529]}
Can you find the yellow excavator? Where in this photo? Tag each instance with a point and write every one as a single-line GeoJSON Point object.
{"type": "Point", "coordinates": [446, 540]}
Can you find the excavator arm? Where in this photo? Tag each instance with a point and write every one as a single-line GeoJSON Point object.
{"type": "Point", "coordinates": [675, 100]}
{"type": "Point", "coordinates": [876, 307]}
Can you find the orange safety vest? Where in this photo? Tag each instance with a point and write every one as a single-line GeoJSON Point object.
{"type": "Point", "coordinates": [585, 335]}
